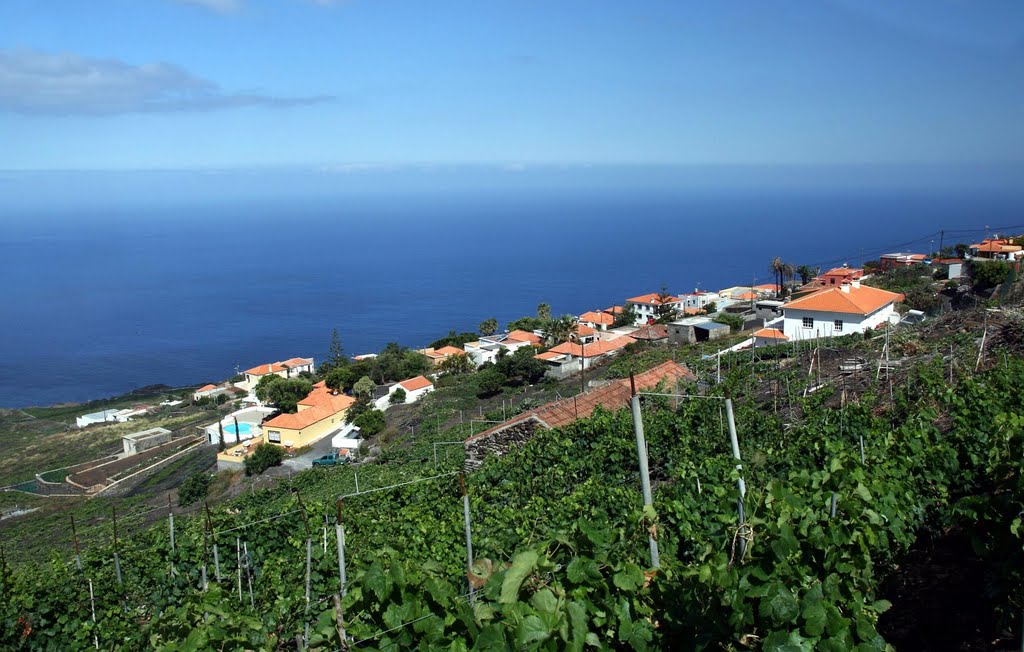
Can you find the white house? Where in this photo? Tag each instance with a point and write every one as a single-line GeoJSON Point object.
{"type": "Point", "coordinates": [96, 417]}
{"type": "Point", "coordinates": [570, 358]}
{"type": "Point", "coordinates": [486, 349]}
{"type": "Point", "coordinates": [769, 337]}
{"type": "Point", "coordinates": [284, 369]}
{"type": "Point", "coordinates": [836, 311]}
{"type": "Point", "coordinates": [698, 300]}
{"type": "Point", "coordinates": [120, 416]}
{"type": "Point", "coordinates": [646, 306]}
{"type": "Point", "coordinates": [415, 389]}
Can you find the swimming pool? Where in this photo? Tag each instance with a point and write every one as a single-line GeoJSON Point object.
{"type": "Point", "coordinates": [243, 429]}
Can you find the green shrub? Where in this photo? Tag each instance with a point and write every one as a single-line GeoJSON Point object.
{"type": "Point", "coordinates": [397, 397]}
{"type": "Point", "coordinates": [990, 273]}
{"type": "Point", "coordinates": [193, 489]}
{"type": "Point", "coordinates": [370, 422]}
{"type": "Point", "coordinates": [264, 457]}
{"type": "Point", "coordinates": [734, 322]}
{"type": "Point", "coordinates": [489, 382]}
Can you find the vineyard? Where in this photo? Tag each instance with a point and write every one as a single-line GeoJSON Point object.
{"type": "Point", "coordinates": [841, 483]}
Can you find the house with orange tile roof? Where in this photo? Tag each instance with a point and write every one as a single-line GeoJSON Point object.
{"type": "Point", "coordinates": [836, 311]}
{"type": "Point", "coordinates": [769, 337]}
{"type": "Point", "coordinates": [320, 414]}
{"type": "Point", "coordinates": [437, 356]}
{"type": "Point", "coordinates": [647, 306]}
{"type": "Point", "coordinates": [525, 336]}
{"type": "Point", "coordinates": [284, 369]}
{"type": "Point", "coordinates": [571, 358]}
{"type": "Point", "coordinates": [996, 249]}
{"type": "Point", "coordinates": [839, 275]}
{"type": "Point", "coordinates": [613, 396]}
{"type": "Point", "coordinates": [597, 319]}
{"type": "Point", "coordinates": [414, 388]}
{"type": "Point", "coordinates": [899, 259]}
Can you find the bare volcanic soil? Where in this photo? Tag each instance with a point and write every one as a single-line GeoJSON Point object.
{"type": "Point", "coordinates": [942, 600]}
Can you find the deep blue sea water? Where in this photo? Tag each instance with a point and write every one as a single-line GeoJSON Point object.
{"type": "Point", "coordinates": [101, 301]}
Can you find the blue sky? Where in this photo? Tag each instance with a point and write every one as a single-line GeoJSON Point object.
{"type": "Point", "coordinates": [200, 84]}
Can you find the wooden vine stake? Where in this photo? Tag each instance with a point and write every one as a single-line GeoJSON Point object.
{"type": "Point", "coordinates": [213, 537]}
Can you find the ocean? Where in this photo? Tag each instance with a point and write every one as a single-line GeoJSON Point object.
{"type": "Point", "coordinates": [101, 299]}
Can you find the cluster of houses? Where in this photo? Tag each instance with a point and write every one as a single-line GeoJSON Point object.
{"type": "Point", "coordinates": [832, 304]}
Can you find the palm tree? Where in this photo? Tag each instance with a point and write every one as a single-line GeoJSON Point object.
{"type": "Point", "coordinates": [782, 272]}
{"type": "Point", "coordinates": [806, 273]}
{"type": "Point", "coordinates": [560, 330]}
{"type": "Point", "coordinates": [788, 272]}
{"type": "Point", "coordinates": [776, 268]}
{"type": "Point", "coordinates": [544, 312]}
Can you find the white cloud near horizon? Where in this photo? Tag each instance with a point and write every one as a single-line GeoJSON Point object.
{"type": "Point", "coordinates": [34, 82]}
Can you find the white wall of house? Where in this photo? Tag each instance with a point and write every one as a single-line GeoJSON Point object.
{"type": "Point", "coordinates": [489, 349]}
{"type": "Point", "coordinates": [384, 402]}
{"type": "Point", "coordinates": [699, 300]}
{"type": "Point", "coordinates": [646, 312]}
{"type": "Point", "coordinates": [830, 324]}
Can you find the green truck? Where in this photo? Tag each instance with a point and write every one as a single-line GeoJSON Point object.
{"type": "Point", "coordinates": [331, 459]}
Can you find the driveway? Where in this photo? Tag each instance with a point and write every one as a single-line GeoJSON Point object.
{"type": "Point", "coordinates": [305, 461]}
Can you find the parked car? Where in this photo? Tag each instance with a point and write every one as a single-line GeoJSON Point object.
{"type": "Point", "coordinates": [331, 459]}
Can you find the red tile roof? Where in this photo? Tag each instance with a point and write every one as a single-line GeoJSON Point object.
{"type": "Point", "coordinates": [1000, 245]}
{"type": "Point", "coordinates": [652, 332]}
{"type": "Point", "coordinates": [614, 310]}
{"type": "Point", "coordinates": [862, 300]}
{"type": "Point", "coordinates": [412, 384]}
{"type": "Point", "coordinates": [583, 330]}
{"type": "Point", "coordinates": [265, 369]}
{"type": "Point", "coordinates": [652, 299]}
{"type": "Point", "coordinates": [593, 349]}
{"type": "Point", "coordinates": [320, 404]}
{"type": "Point", "coordinates": [548, 355]}
{"type": "Point", "coordinates": [524, 336]}
{"type": "Point", "coordinates": [771, 334]}
{"type": "Point", "coordinates": [296, 362]}
{"type": "Point", "coordinates": [595, 317]}
{"type": "Point", "coordinates": [449, 350]}
{"type": "Point", "coordinates": [613, 396]}
{"type": "Point", "coordinates": [205, 388]}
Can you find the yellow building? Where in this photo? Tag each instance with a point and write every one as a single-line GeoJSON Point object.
{"type": "Point", "coordinates": [318, 415]}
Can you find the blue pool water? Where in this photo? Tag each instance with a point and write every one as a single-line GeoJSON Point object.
{"type": "Point", "coordinates": [243, 429]}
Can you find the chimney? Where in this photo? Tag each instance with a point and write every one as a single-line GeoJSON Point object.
{"type": "Point", "coordinates": [845, 287]}
{"type": "Point", "coordinates": [856, 283]}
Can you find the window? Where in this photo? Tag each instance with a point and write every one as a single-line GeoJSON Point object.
{"type": "Point", "coordinates": [808, 322]}
{"type": "Point", "coordinates": [274, 436]}
{"type": "Point", "coordinates": [838, 325]}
